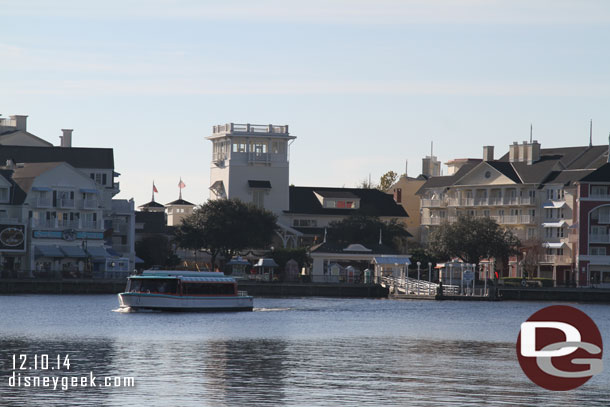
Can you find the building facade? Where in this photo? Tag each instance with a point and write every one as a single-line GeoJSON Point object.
{"type": "Point", "coordinates": [532, 191]}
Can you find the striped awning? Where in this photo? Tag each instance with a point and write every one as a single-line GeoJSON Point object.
{"type": "Point", "coordinates": [553, 245]}
{"type": "Point", "coordinates": [554, 224]}
{"type": "Point", "coordinates": [554, 204]}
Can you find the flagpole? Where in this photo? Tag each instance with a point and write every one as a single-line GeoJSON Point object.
{"type": "Point", "coordinates": [180, 188]}
{"type": "Point", "coordinates": [153, 191]}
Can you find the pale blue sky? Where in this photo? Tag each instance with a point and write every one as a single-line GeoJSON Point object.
{"type": "Point", "coordinates": [364, 85]}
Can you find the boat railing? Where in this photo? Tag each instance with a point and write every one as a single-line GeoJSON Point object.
{"type": "Point", "coordinates": [242, 293]}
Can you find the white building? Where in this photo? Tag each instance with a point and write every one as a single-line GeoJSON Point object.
{"type": "Point", "coordinates": [61, 199]}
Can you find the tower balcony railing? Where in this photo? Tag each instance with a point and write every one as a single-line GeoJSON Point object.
{"type": "Point", "coordinates": [254, 157]}
{"type": "Point", "coordinates": [250, 128]}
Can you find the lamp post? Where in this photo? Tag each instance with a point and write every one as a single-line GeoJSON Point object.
{"type": "Point", "coordinates": [450, 274]}
{"type": "Point", "coordinates": [462, 281]}
{"type": "Point", "coordinates": [429, 276]}
{"type": "Point", "coordinates": [407, 279]}
{"type": "Point", "coordinates": [418, 264]}
{"type": "Point", "coordinates": [484, 268]}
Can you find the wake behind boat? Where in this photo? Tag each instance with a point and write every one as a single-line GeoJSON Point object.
{"type": "Point", "coordinates": [176, 290]}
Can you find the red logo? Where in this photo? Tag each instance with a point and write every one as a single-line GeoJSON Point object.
{"type": "Point", "coordinates": [560, 348]}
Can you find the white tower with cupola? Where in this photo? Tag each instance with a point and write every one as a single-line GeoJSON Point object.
{"type": "Point", "coordinates": [250, 162]}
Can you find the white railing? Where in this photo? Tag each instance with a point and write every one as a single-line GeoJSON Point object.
{"type": "Point", "coordinates": [43, 202]}
{"type": "Point", "coordinates": [44, 223]}
{"type": "Point", "coordinates": [65, 203]}
{"type": "Point", "coordinates": [250, 128]}
{"type": "Point", "coordinates": [9, 220]}
{"type": "Point", "coordinates": [90, 204]}
{"type": "Point", "coordinates": [555, 259]}
{"type": "Point", "coordinates": [431, 221]}
{"type": "Point", "coordinates": [431, 203]}
{"type": "Point", "coordinates": [601, 197]}
{"type": "Point", "coordinates": [259, 157]}
{"type": "Point", "coordinates": [599, 238]}
{"type": "Point", "coordinates": [61, 223]}
{"type": "Point", "coordinates": [216, 157]}
{"type": "Point", "coordinates": [241, 293]}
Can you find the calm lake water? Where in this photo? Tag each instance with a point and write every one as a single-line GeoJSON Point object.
{"type": "Point", "coordinates": [292, 352]}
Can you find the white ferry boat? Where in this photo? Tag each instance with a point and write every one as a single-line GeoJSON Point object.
{"type": "Point", "coordinates": [184, 291]}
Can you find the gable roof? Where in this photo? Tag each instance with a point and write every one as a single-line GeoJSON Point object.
{"type": "Point", "coordinates": [334, 247]}
{"type": "Point", "coordinates": [152, 204]}
{"type": "Point", "coordinates": [78, 157]}
{"type": "Point", "coordinates": [7, 135]}
{"type": "Point", "coordinates": [179, 202]}
{"type": "Point", "coordinates": [18, 195]}
{"type": "Point", "coordinates": [602, 174]}
{"type": "Point", "coordinates": [372, 202]}
{"type": "Point", "coordinates": [506, 169]}
{"type": "Point", "coordinates": [447, 180]}
{"type": "Point", "coordinates": [25, 175]}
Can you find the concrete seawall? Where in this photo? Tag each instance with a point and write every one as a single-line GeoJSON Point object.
{"type": "Point", "coordinates": [90, 286]}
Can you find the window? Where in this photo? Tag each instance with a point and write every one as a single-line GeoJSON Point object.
{"type": "Point", "coordinates": [598, 230]}
{"type": "Point", "coordinates": [258, 198]}
{"type": "Point", "coordinates": [305, 222]}
{"type": "Point", "coordinates": [531, 212]}
{"type": "Point", "coordinates": [531, 233]}
{"type": "Point", "coordinates": [548, 213]}
{"type": "Point", "coordinates": [104, 179]}
{"type": "Point", "coordinates": [4, 195]}
{"type": "Point", "coordinates": [239, 147]}
{"type": "Point", "coordinates": [398, 195]}
{"type": "Point", "coordinates": [598, 251]}
{"type": "Point", "coordinates": [560, 232]}
{"type": "Point", "coordinates": [599, 190]}
{"type": "Point", "coordinates": [532, 193]}
{"type": "Point", "coordinates": [486, 213]}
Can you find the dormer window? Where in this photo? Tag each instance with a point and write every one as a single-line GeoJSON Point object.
{"type": "Point", "coordinates": [4, 195]}
{"type": "Point", "coordinates": [338, 199]}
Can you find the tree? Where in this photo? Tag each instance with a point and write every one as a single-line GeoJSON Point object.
{"type": "Point", "coordinates": [226, 226]}
{"type": "Point", "coordinates": [364, 229]}
{"type": "Point", "coordinates": [366, 184]}
{"type": "Point", "coordinates": [155, 251]}
{"type": "Point", "coordinates": [533, 252]}
{"type": "Point", "coordinates": [387, 180]}
{"type": "Point", "coordinates": [472, 239]}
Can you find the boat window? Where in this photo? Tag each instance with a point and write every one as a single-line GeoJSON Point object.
{"type": "Point", "coordinates": [160, 286]}
{"type": "Point", "coordinates": [208, 289]}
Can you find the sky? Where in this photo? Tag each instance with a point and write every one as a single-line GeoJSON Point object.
{"type": "Point", "coordinates": [365, 86]}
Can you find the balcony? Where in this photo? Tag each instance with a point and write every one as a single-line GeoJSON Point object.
{"type": "Point", "coordinates": [44, 223]}
{"type": "Point", "coordinates": [67, 224]}
{"type": "Point", "coordinates": [43, 202]}
{"type": "Point", "coordinates": [255, 157]}
{"type": "Point", "coordinates": [432, 203]}
{"type": "Point", "coordinates": [555, 259]}
{"type": "Point", "coordinates": [600, 197]}
{"type": "Point", "coordinates": [90, 204]}
{"type": "Point", "coordinates": [599, 238]}
{"type": "Point", "coordinates": [428, 221]}
{"type": "Point", "coordinates": [219, 157]}
{"type": "Point", "coordinates": [90, 224]}
{"type": "Point", "coordinates": [65, 203]}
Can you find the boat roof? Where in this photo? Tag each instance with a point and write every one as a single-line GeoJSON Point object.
{"type": "Point", "coordinates": [185, 275]}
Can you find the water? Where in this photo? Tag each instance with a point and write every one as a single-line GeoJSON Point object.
{"type": "Point", "coordinates": [289, 352]}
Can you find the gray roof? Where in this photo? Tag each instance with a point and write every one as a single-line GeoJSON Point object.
{"type": "Point", "coordinates": [78, 157]}
{"type": "Point", "coordinates": [447, 180]}
{"type": "Point", "coordinates": [25, 176]}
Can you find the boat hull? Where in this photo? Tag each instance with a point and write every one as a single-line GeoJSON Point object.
{"type": "Point", "coordinates": [164, 302]}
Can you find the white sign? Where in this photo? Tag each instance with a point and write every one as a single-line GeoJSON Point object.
{"type": "Point", "coordinates": [468, 275]}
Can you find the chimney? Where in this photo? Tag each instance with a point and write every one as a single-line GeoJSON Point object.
{"type": "Point", "coordinates": [513, 152]}
{"type": "Point", "coordinates": [523, 152]}
{"type": "Point", "coordinates": [21, 122]}
{"type": "Point", "coordinates": [66, 138]}
{"type": "Point", "coordinates": [533, 152]}
{"type": "Point", "coordinates": [488, 153]}
{"type": "Point", "coordinates": [10, 164]}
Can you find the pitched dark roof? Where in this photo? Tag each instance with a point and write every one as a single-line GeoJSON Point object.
{"type": "Point", "coordinates": [372, 202]}
{"type": "Point", "coordinates": [179, 202]}
{"type": "Point", "coordinates": [447, 180]}
{"type": "Point", "coordinates": [335, 194]}
{"type": "Point", "coordinates": [506, 169]}
{"type": "Point", "coordinates": [152, 204]}
{"type": "Point", "coordinates": [567, 177]}
{"type": "Point", "coordinates": [18, 195]}
{"type": "Point", "coordinates": [602, 174]}
{"type": "Point", "coordinates": [333, 247]}
{"type": "Point", "coordinates": [78, 157]}
{"type": "Point", "coordinates": [258, 184]}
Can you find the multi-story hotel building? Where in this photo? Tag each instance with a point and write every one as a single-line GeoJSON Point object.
{"type": "Point", "coordinates": [539, 194]}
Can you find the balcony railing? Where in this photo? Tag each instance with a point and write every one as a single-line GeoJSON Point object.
{"type": "Point", "coordinates": [555, 259]}
{"type": "Point", "coordinates": [431, 221]}
{"type": "Point", "coordinates": [43, 202]}
{"type": "Point", "coordinates": [599, 238]}
{"type": "Point", "coordinates": [61, 223]}
{"type": "Point", "coordinates": [90, 204]}
{"type": "Point", "coordinates": [44, 223]}
{"type": "Point", "coordinates": [431, 203]}
{"type": "Point", "coordinates": [259, 157]}
{"type": "Point", "coordinates": [90, 224]}
{"type": "Point", "coordinates": [65, 203]}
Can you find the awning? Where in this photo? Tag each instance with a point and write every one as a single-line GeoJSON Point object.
{"type": "Point", "coordinates": [113, 252]}
{"type": "Point", "coordinates": [48, 251]}
{"type": "Point", "coordinates": [88, 190]}
{"type": "Point", "coordinates": [392, 260]}
{"type": "Point", "coordinates": [237, 261]}
{"type": "Point", "coordinates": [73, 251]}
{"type": "Point", "coordinates": [550, 245]}
{"type": "Point", "coordinates": [97, 252]}
{"type": "Point", "coordinates": [208, 279]}
{"type": "Point", "coordinates": [266, 263]}
{"type": "Point", "coordinates": [559, 224]}
{"type": "Point", "coordinates": [258, 184]}
{"type": "Point", "coordinates": [554, 204]}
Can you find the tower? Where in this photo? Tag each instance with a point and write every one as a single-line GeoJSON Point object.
{"type": "Point", "coordinates": [250, 162]}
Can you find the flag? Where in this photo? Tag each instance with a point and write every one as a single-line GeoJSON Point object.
{"type": "Point", "coordinates": [155, 188]}
{"type": "Point", "coordinates": [181, 184]}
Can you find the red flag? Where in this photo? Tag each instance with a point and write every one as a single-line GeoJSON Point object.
{"type": "Point", "coordinates": [181, 184]}
{"type": "Point", "coordinates": [155, 188]}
